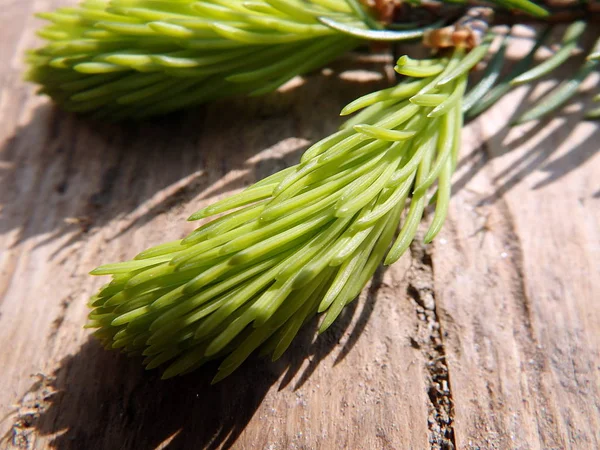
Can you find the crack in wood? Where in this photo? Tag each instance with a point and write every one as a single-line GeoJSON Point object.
{"type": "Point", "coordinates": [36, 401]}
{"type": "Point", "coordinates": [429, 339]}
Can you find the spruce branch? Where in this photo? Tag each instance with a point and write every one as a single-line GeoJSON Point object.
{"type": "Point", "coordinates": [136, 58]}
{"type": "Point", "coordinates": [306, 240]}
{"type": "Point", "coordinates": [303, 241]}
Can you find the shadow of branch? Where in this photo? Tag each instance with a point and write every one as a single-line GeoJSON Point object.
{"type": "Point", "coordinates": [551, 145]}
{"type": "Point", "coordinates": [68, 175]}
{"type": "Point", "coordinates": [98, 399]}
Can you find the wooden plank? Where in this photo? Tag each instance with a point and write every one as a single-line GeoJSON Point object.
{"type": "Point", "coordinates": [516, 283]}
{"type": "Point", "coordinates": [488, 339]}
{"type": "Point", "coordinates": [76, 194]}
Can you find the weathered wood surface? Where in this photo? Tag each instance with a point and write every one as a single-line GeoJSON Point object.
{"type": "Point", "coordinates": [489, 338]}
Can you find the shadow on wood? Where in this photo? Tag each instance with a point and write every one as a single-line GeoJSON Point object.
{"type": "Point", "coordinates": [64, 171]}
{"type": "Point", "coordinates": [100, 399]}
{"type": "Point", "coordinates": [92, 172]}
{"type": "Point", "coordinates": [536, 154]}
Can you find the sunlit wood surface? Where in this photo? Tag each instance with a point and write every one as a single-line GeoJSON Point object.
{"type": "Point", "coordinates": [488, 338]}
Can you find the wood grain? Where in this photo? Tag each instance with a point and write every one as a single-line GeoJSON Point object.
{"type": "Point", "coordinates": [487, 339]}
{"type": "Point", "coordinates": [517, 281]}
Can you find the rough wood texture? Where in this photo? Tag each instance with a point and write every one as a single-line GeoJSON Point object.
{"type": "Point", "coordinates": [487, 339]}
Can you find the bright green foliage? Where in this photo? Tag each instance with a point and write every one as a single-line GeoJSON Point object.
{"type": "Point", "coordinates": [136, 58]}
{"type": "Point", "coordinates": [303, 241]}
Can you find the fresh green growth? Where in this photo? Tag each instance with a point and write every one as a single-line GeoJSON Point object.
{"type": "Point", "coordinates": [303, 241]}
{"type": "Point", "coordinates": [121, 59]}
{"type": "Point", "coordinates": [137, 58]}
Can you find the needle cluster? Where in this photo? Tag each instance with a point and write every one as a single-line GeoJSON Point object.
{"type": "Point", "coordinates": [138, 58]}
{"type": "Point", "coordinates": [303, 241]}
{"type": "Point", "coordinates": [306, 240]}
